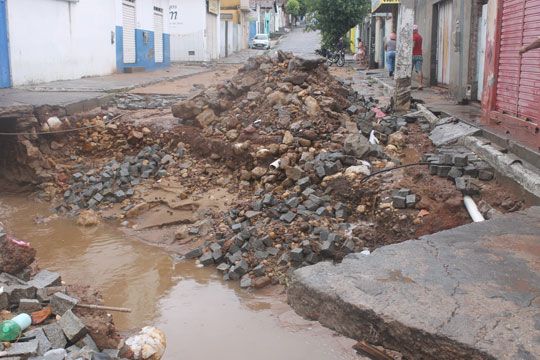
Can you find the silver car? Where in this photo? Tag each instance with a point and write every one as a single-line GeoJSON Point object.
{"type": "Point", "coordinates": [260, 41]}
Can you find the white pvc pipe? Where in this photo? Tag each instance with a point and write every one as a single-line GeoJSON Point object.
{"type": "Point", "coordinates": [476, 216]}
{"type": "Point", "coordinates": [275, 164]}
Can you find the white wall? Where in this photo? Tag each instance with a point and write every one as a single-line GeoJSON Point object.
{"type": "Point", "coordinates": [145, 14]}
{"type": "Point", "coordinates": [188, 30]}
{"type": "Point", "coordinates": [57, 40]}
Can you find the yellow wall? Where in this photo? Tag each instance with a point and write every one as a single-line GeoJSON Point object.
{"type": "Point", "coordinates": [227, 3]}
{"type": "Point", "coordinates": [235, 15]}
{"type": "Point", "coordinates": [353, 39]}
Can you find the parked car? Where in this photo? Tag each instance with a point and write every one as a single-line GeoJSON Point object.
{"type": "Point", "coordinates": [260, 41]}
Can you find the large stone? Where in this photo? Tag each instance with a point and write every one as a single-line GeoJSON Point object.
{"type": "Point", "coordinates": [46, 278]}
{"type": "Point", "coordinates": [88, 218]}
{"type": "Point", "coordinates": [44, 343]}
{"type": "Point", "coordinates": [356, 145]}
{"type": "Point", "coordinates": [296, 79]}
{"type": "Point", "coordinates": [186, 109]}
{"type": "Point", "coordinates": [60, 303]}
{"type": "Point", "coordinates": [470, 292]}
{"type": "Point", "coordinates": [72, 326]}
{"type": "Point", "coordinates": [312, 106]}
{"type": "Point", "coordinates": [55, 335]}
{"type": "Point", "coordinates": [29, 305]}
{"type": "Point", "coordinates": [277, 97]}
{"type": "Point", "coordinates": [206, 118]}
{"type": "Point", "coordinates": [288, 138]}
{"type": "Point", "coordinates": [295, 173]}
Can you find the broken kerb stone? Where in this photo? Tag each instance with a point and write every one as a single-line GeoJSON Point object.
{"type": "Point", "coordinates": [259, 270]}
{"type": "Point", "coordinates": [72, 326]}
{"type": "Point", "coordinates": [20, 350]}
{"type": "Point", "coordinates": [60, 303]}
{"type": "Point", "coordinates": [29, 305]}
{"type": "Point", "coordinates": [194, 254]}
{"type": "Point", "coordinates": [399, 202]}
{"type": "Point", "coordinates": [55, 335]}
{"type": "Point", "coordinates": [45, 279]}
{"type": "Point", "coordinates": [44, 344]}
{"type": "Point", "coordinates": [88, 342]}
{"type": "Point", "coordinates": [16, 292]}
{"type": "Point", "coordinates": [288, 217]}
{"type": "Point", "coordinates": [297, 255]}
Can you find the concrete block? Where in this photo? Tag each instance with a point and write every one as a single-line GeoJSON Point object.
{"type": "Point", "coordinates": [55, 335]}
{"type": "Point", "coordinates": [283, 259]}
{"type": "Point", "coordinates": [288, 217]}
{"type": "Point", "coordinates": [111, 352]}
{"type": "Point", "coordinates": [55, 354]}
{"type": "Point", "coordinates": [223, 267]}
{"type": "Point", "coordinates": [29, 305]}
{"type": "Point", "coordinates": [241, 268]}
{"type": "Point", "coordinates": [328, 249]}
{"type": "Point", "coordinates": [485, 175]}
{"type": "Point", "coordinates": [454, 173]}
{"type": "Point", "coordinates": [44, 343]}
{"type": "Point", "coordinates": [259, 270]}
{"type": "Point", "coordinates": [443, 170]}
{"type": "Point", "coordinates": [17, 292]}
{"type": "Point", "coordinates": [411, 201]}
{"type": "Point", "coordinates": [347, 247]}
{"type": "Point", "coordinates": [44, 294]}
{"type": "Point", "coordinates": [245, 283]}
{"type": "Point", "coordinates": [60, 303]}
{"type": "Point", "coordinates": [461, 160]}
{"type": "Point", "coordinates": [261, 254]}
{"type": "Point", "coordinates": [72, 326]}
{"type": "Point", "coordinates": [4, 301]}
{"type": "Point", "coordinates": [272, 251]}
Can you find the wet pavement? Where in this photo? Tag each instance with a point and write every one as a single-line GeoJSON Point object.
{"type": "Point", "coordinates": [202, 316]}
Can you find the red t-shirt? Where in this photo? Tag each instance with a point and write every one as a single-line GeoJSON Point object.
{"type": "Point", "coordinates": [417, 50]}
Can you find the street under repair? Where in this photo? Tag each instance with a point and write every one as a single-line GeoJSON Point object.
{"type": "Point", "coordinates": [263, 169]}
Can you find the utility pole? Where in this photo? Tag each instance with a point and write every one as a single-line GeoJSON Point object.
{"type": "Point", "coordinates": [402, 96]}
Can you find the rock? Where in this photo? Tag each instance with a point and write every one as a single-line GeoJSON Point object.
{"type": "Point", "coordinates": [54, 123]}
{"type": "Point", "coordinates": [309, 64]}
{"type": "Point", "coordinates": [135, 136]}
{"type": "Point", "coordinates": [88, 218]}
{"type": "Point", "coordinates": [297, 255]}
{"type": "Point", "coordinates": [181, 232]}
{"type": "Point", "coordinates": [258, 172]}
{"type": "Point", "coordinates": [354, 172]}
{"type": "Point", "coordinates": [245, 283]}
{"type": "Point", "coordinates": [148, 344]}
{"type": "Point", "coordinates": [398, 139]}
{"type": "Point", "coordinates": [356, 145]}
{"type": "Point", "coordinates": [294, 173]}
{"type": "Point", "coordinates": [21, 350]}
{"type": "Point", "coordinates": [232, 134]}
{"type": "Point", "coordinates": [253, 95]}
{"type": "Point", "coordinates": [312, 106]}
{"type": "Point", "coordinates": [206, 118]}
{"type": "Point", "coordinates": [15, 258]}
{"type": "Point", "coordinates": [137, 210]}
{"type": "Point", "coordinates": [297, 79]}
{"type": "Point", "coordinates": [206, 259]}
{"type": "Point", "coordinates": [56, 145]}
{"type": "Point", "coordinates": [277, 97]}
{"type": "Point", "coordinates": [193, 254]}
{"type": "Point", "coordinates": [60, 303]}
{"type": "Point", "coordinates": [186, 109]}
{"type": "Point", "coordinates": [288, 139]}
{"type": "Point", "coordinates": [72, 326]}
{"type": "Point", "coordinates": [259, 270]}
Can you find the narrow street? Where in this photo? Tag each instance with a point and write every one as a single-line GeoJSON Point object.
{"type": "Point", "coordinates": [264, 206]}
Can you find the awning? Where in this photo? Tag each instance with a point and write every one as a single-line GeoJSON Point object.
{"type": "Point", "coordinates": [383, 5]}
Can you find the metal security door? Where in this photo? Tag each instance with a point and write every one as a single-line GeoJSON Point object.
{"type": "Point", "coordinates": [518, 79]}
{"type": "Point", "coordinates": [481, 53]}
{"type": "Point", "coordinates": [158, 35]}
{"type": "Point", "coordinates": [444, 38]}
{"type": "Point", "coordinates": [5, 80]}
{"type": "Point", "coordinates": [128, 32]}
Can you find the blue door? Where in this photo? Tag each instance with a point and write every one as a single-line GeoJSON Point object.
{"type": "Point", "coordinates": [252, 30]}
{"type": "Point", "coordinates": [4, 51]}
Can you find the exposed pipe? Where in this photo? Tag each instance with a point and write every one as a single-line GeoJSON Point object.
{"type": "Point", "coordinates": [470, 205]}
{"type": "Point", "coordinates": [275, 164]}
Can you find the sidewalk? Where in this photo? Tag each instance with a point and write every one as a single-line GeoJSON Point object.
{"type": "Point", "coordinates": [86, 93]}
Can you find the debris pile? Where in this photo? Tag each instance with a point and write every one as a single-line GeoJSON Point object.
{"type": "Point", "coordinates": [67, 321]}
{"type": "Point", "coordinates": [138, 102]}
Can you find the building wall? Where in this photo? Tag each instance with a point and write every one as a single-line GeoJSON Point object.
{"type": "Point", "coordinates": [424, 18]}
{"type": "Point", "coordinates": [50, 40]}
{"type": "Point", "coordinates": [145, 50]}
{"type": "Point", "coordinates": [188, 42]}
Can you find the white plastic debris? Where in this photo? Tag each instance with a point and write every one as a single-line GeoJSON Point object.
{"type": "Point", "coordinates": [365, 252]}
{"type": "Point", "coordinates": [372, 138]}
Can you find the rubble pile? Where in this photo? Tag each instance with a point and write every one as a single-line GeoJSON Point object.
{"type": "Point", "coordinates": [304, 137]}
{"type": "Point", "coordinates": [138, 102]}
{"type": "Point", "coordinates": [59, 329]}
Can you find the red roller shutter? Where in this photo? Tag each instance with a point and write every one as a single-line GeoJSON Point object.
{"type": "Point", "coordinates": [517, 98]}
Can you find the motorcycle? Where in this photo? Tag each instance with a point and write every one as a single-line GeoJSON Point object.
{"type": "Point", "coordinates": [337, 58]}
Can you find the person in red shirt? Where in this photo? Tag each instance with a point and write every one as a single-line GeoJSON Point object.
{"type": "Point", "coordinates": [417, 58]}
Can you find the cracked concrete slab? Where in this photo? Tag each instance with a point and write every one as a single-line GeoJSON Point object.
{"type": "Point", "coordinates": [449, 130]}
{"type": "Point", "coordinates": [468, 293]}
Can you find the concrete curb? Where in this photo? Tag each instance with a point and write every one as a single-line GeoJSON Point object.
{"type": "Point", "coordinates": [508, 165]}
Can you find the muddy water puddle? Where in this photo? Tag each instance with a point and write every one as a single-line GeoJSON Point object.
{"type": "Point", "coordinates": [202, 316]}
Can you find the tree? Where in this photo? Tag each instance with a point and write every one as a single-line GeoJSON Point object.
{"type": "Point", "coordinates": [334, 18]}
{"type": "Point", "coordinates": [293, 8]}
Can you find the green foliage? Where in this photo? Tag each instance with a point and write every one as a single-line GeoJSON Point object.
{"type": "Point", "coordinates": [334, 18]}
{"type": "Point", "coordinates": [293, 8]}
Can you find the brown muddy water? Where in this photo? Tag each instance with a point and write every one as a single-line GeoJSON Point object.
{"type": "Point", "coordinates": [202, 316]}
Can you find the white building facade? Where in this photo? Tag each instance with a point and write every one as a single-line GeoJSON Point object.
{"type": "Point", "coordinates": [194, 30]}
{"type": "Point", "coordinates": [48, 40]}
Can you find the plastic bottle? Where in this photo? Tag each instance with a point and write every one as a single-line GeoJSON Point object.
{"type": "Point", "coordinates": [11, 329]}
